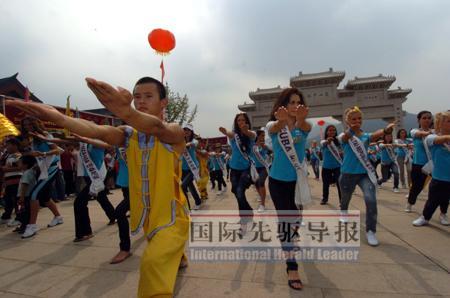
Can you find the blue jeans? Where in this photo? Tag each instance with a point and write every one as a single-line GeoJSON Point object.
{"type": "Point", "coordinates": [348, 183]}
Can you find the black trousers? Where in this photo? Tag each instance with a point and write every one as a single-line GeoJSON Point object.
{"type": "Point", "coordinates": [10, 200]}
{"type": "Point", "coordinates": [240, 181]}
{"type": "Point", "coordinates": [122, 220]}
{"type": "Point", "coordinates": [438, 195]}
{"type": "Point", "coordinates": [24, 214]}
{"type": "Point", "coordinates": [187, 179]}
{"type": "Point", "coordinates": [81, 211]}
{"type": "Point", "coordinates": [283, 197]}
{"type": "Point", "coordinates": [70, 182]}
{"type": "Point", "coordinates": [418, 182]}
{"type": "Point", "coordinates": [218, 176]}
{"type": "Point", "coordinates": [330, 176]}
{"type": "Point", "coordinates": [375, 165]}
{"type": "Point", "coordinates": [386, 172]}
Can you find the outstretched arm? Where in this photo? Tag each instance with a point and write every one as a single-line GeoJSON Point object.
{"type": "Point", "coordinates": [109, 134]}
{"type": "Point", "coordinates": [381, 132]}
{"type": "Point", "coordinates": [118, 101]}
{"type": "Point", "coordinates": [226, 132]}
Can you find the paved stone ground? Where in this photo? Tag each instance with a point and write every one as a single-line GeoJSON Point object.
{"type": "Point", "coordinates": [409, 262]}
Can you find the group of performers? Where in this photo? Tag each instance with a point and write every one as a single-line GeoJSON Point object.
{"type": "Point", "coordinates": [161, 163]}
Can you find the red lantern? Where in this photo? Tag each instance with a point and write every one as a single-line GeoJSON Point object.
{"type": "Point", "coordinates": [321, 123]}
{"type": "Point", "coordinates": [162, 41]}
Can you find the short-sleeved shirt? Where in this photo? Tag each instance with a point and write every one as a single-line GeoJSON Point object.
{"type": "Point", "coordinates": [402, 151]}
{"type": "Point", "coordinates": [192, 152]}
{"type": "Point", "coordinates": [420, 156]}
{"type": "Point", "coordinates": [122, 175]}
{"type": "Point", "coordinates": [385, 158]}
{"type": "Point", "coordinates": [28, 178]}
{"type": "Point", "coordinates": [315, 151]}
{"type": "Point", "coordinates": [214, 161]}
{"type": "Point", "coordinates": [440, 154]}
{"type": "Point", "coordinates": [281, 168]}
{"type": "Point", "coordinates": [329, 162]}
{"type": "Point", "coordinates": [351, 163]}
{"type": "Point", "coordinates": [238, 161]}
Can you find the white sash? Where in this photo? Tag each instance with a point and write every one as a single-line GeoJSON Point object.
{"type": "Point", "coordinates": [428, 167]}
{"type": "Point", "coordinates": [191, 164]}
{"type": "Point", "coordinates": [335, 152]}
{"type": "Point", "coordinates": [253, 172]}
{"type": "Point", "coordinates": [258, 155]}
{"type": "Point", "coordinates": [97, 176]}
{"type": "Point", "coordinates": [360, 152]}
{"type": "Point", "coordinates": [123, 153]}
{"type": "Point", "coordinates": [314, 151]}
{"type": "Point", "coordinates": [220, 162]}
{"type": "Point", "coordinates": [302, 191]}
{"type": "Point", "coordinates": [392, 156]}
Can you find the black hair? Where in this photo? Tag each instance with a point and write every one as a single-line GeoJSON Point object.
{"type": "Point", "coordinates": [400, 131]}
{"type": "Point", "coordinates": [148, 80]}
{"type": "Point", "coordinates": [28, 160]}
{"type": "Point", "coordinates": [13, 141]}
{"type": "Point", "coordinates": [245, 140]}
{"type": "Point", "coordinates": [420, 116]}
{"type": "Point", "coordinates": [384, 138]}
{"type": "Point", "coordinates": [283, 100]}
{"type": "Point", "coordinates": [325, 134]}
{"type": "Point", "coordinates": [192, 135]}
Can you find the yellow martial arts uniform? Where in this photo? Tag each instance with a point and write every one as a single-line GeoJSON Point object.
{"type": "Point", "coordinates": [204, 176]}
{"type": "Point", "coordinates": [158, 205]}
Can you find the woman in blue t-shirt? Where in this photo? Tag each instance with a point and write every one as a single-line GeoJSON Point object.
{"type": "Point", "coordinates": [288, 111]}
{"type": "Point", "coordinates": [315, 159]}
{"type": "Point", "coordinates": [241, 139]}
{"type": "Point", "coordinates": [420, 158]}
{"type": "Point", "coordinates": [388, 162]}
{"type": "Point", "coordinates": [260, 154]}
{"type": "Point", "coordinates": [357, 170]}
{"type": "Point", "coordinates": [187, 176]}
{"type": "Point", "coordinates": [439, 189]}
{"type": "Point", "coordinates": [332, 160]}
{"type": "Point", "coordinates": [403, 152]}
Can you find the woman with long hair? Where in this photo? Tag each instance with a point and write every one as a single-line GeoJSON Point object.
{"type": "Point", "coordinates": [389, 164]}
{"type": "Point", "coordinates": [420, 157]}
{"type": "Point", "coordinates": [260, 156]}
{"type": "Point", "coordinates": [241, 139]}
{"type": "Point", "coordinates": [403, 153]}
{"type": "Point", "coordinates": [332, 161]}
{"type": "Point", "coordinates": [439, 190]}
{"type": "Point", "coordinates": [288, 129]}
{"type": "Point", "coordinates": [190, 166]}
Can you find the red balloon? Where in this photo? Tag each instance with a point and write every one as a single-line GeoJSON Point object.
{"type": "Point", "coordinates": [162, 41]}
{"type": "Point", "coordinates": [321, 123]}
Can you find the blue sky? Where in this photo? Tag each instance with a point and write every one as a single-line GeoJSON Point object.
{"type": "Point", "coordinates": [225, 48]}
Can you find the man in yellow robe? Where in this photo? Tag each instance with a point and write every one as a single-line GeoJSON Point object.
{"type": "Point", "coordinates": [157, 203]}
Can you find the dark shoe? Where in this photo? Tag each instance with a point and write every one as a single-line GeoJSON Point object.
{"type": "Point", "coordinates": [111, 222]}
{"type": "Point", "coordinates": [323, 202]}
{"type": "Point", "coordinates": [83, 238]}
{"type": "Point", "coordinates": [292, 282]}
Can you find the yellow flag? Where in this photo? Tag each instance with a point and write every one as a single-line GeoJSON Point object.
{"type": "Point", "coordinates": [7, 128]}
{"type": "Point", "coordinates": [68, 113]}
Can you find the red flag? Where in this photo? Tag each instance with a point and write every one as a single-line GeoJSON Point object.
{"type": "Point", "coordinates": [26, 97]}
{"type": "Point", "coordinates": [162, 71]}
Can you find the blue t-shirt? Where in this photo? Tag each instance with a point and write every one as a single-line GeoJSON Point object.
{"type": "Point", "coordinates": [122, 175]}
{"type": "Point", "coordinates": [351, 164]}
{"type": "Point", "coordinates": [402, 151]}
{"type": "Point", "coordinates": [420, 157]}
{"type": "Point", "coordinates": [315, 153]}
{"type": "Point", "coordinates": [191, 150]}
{"type": "Point", "coordinates": [329, 162]}
{"type": "Point", "coordinates": [238, 162]}
{"type": "Point", "coordinates": [97, 155]}
{"type": "Point", "coordinates": [374, 155]}
{"type": "Point", "coordinates": [263, 152]}
{"type": "Point", "coordinates": [44, 147]}
{"type": "Point", "coordinates": [441, 159]}
{"type": "Point", "coordinates": [282, 168]}
{"type": "Point", "coordinates": [214, 162]}
{"type": "Point", "coordinates": [385, 158]}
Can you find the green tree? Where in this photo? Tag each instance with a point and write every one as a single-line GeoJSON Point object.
{"type": "Point", "coordinates": [177, 109]}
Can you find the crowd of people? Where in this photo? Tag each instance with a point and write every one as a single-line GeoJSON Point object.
{"type": "Point", "coordinates": [171, 165]}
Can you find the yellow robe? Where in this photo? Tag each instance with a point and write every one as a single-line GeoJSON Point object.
{"type": "Point", "coordinates": [157, 205]}
{"type": "Point", "coordinates": [204, 176]}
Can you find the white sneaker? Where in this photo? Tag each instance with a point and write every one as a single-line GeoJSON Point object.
{"type": "Point", "coordinates": [420, 222]}
{"type": "Point", "coordinates": [443, 219]}
{"type": "Point", "coordinates": [261, 209]}
{"type": "Point", "coordinates": [379, 187]}
{"type": "Point", "coordinates": [196, 207]}
{"type": "Point", "coordinates": [258, 199]}
{"type": "Point", "coordinates": [30, 231]}
{"type": "Point", "coordinates": [57, 220]}
{"type": "Point", "coordinates": [408, 208]}
{"type": "Point", "coordinates": [219, 193]}
{"type": "Point", "coordinates": [344, 218]}
{"type": "Point", "coordinates": [372, 239]}
{"type": "Point", "coordinates": [396, 190]}
{"type": "Point", "coordinates": [13, 223]}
